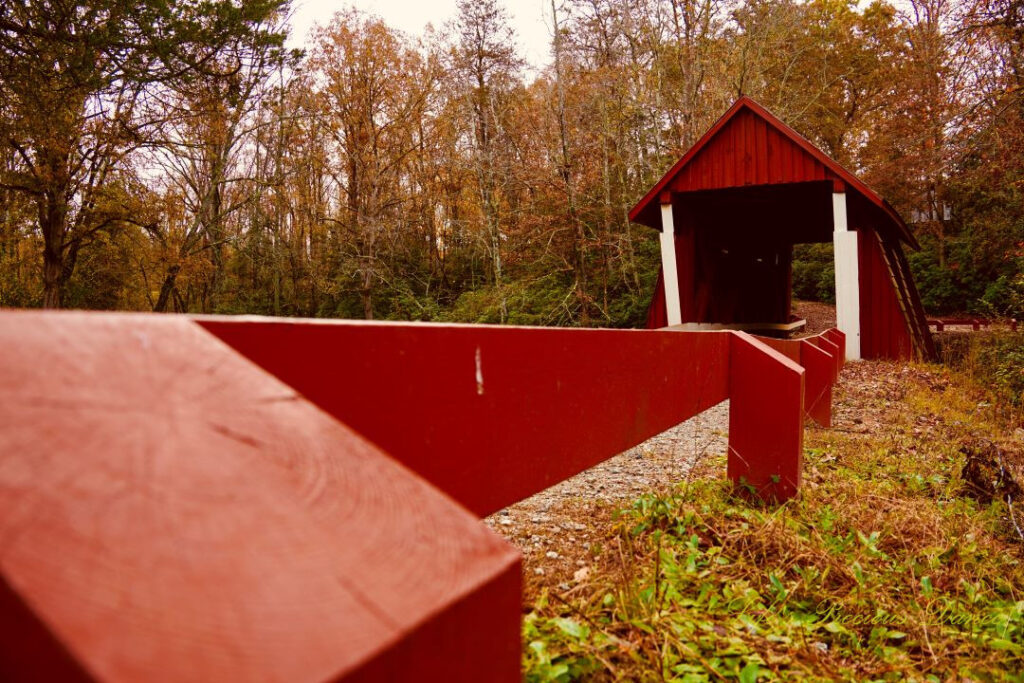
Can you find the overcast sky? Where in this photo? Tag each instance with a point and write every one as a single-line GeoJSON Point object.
{"type": "Point", "coordinates": [530, 19]}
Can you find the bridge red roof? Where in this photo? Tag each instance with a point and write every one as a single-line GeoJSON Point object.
{"type": "Point", "coordinates": [750, 146]}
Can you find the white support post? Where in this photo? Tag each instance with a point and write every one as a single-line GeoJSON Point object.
{"type": "Point", "coordinates": [847, 277]}
{"type": "Point", "coordinates": [668, 266]}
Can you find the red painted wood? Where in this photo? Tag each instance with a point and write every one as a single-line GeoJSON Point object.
{"type": "Point", "coordinates": [739, 152]}
{"type": "Point", "coordinates": [820, 367]}
{"type": "Point", "coordinates": [975, 323]}
{"type": "Point", "coordinates": [657, 313]}
{"type": "Point", "coordinates": [703, 166]}
{"type": "Point", "coordinates": [746, 150]}
{"type": "Point", "coordinates": [29, 651]}
{"type": "Point", "coordinates": [766, 392]}
{"type": "Point", "coordinates": [824, 342]}
{"type": "Point", "coordinates": [883, 329]}
{"type": "Point", "coordinates": [839, 339]}
{"type": "Point", "coordinates": [786, 158]}
{"type": "Point", "coordinates": [761, 152]}
{"type": "Point", "coordinates": [717, 171]}
{"type": "Point", "coordinates": [774, 163]}
{"type": "Point", "coordinates": [549, 402]}
{"type": "Point", "coordinates": [816, 355]}
{"type": "Point", "coordinates": [458, 434]}
{"type": "Point", "coordinates": [444, 648]}
{"type": "Point", "coordinates": [171, 512]}
{"type": "Point", "coordinates": [728, 164]}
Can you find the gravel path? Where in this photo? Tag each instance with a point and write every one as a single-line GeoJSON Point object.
{"type": "Point", "coordinates": [546, 522]}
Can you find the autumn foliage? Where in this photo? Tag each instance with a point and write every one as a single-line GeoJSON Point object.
{"type": "Point", "coordinates": [379, 175]}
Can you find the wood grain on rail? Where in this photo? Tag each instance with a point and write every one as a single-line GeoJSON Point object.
{"type": "Point", "coordinates": [171, 512]}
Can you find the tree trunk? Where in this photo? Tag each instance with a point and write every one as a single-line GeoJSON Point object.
{"type": "Point", "coordinates": [366, 294]}
{"type": "Point", "coordinates": [52, 286]}
{"type": "Point", "coordinates": [53, 225]}
{"type": "Point", "coordinates": [580, 246]}
{"type": "Point", "coordinates": [166, 289]}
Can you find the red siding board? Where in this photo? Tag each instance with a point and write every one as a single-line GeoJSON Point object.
{"type": "Point", "coordinates": [705, 169]}
{"type": "Point", "coordinates": [887, 305]}
{"type": "Point", "coordinates": [786, 153]}
{"type": "Point", "coordinates": [737, 159]}
{"type": "Point", "coordinates": [867, 344]}
{"type": "Point", "coordinates": [774, 162]}
{"type": "Point", "coordinates": [878, 317]}
{"type": "Point", "coordinates": [877, 320]}
{"type": "Point", "coordinates": [752, 151]}
{"type": "Point", "coordinates": [718, 168]}
{"type": "Point", "coordinates": [761, 130]}
{"type": "Point", "coordinates": [884, 332]}
{"type": "Point", "coordinates": [748, 150]}
{"type": "Point", "coordinates": [808, 167]}
{"type": "Point", "coordinates": [728, 161]}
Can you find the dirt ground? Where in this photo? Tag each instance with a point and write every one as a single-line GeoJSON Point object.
{"type": "Point", "coordinates": [819, 316]}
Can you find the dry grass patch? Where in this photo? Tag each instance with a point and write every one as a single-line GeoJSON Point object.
{"type": "Point", "coordinates": [886, 567]}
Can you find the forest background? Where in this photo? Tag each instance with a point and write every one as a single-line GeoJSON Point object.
{"type": "Point", "coordinates": [178, 157]}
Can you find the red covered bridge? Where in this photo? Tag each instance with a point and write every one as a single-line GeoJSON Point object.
{"type": "Point", "coordinates": [730, 211]}
{"type": "Point", "coordinates": [239, 499]}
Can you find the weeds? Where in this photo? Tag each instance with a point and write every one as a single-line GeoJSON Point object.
{"type": "Point", "coordinates": [883, 569]}
{"type": "Point", "coordinates": [992, 359]}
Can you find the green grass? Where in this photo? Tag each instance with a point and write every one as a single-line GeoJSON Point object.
{"type": "Point", "coordinates": [881, 570]}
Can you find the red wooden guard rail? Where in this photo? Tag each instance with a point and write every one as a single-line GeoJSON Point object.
{"type": "Point", "coordinates": [975, 323]}
{"type": "Point", "coordinates": [491, 415]}
{"type": "Point", "coordinates": [170, 510]}
{"type": "Point", "coordinates": [822, 357]}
